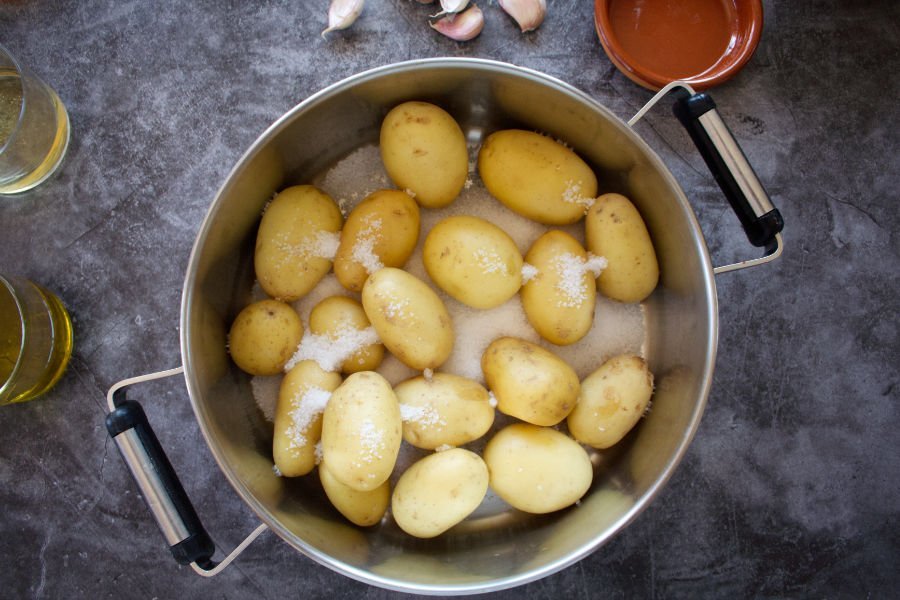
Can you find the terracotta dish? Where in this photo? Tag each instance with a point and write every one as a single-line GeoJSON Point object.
{"type": "Point", "coordinates": [703, 42]}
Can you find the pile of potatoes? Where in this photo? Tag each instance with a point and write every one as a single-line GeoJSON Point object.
{"type": "Point", "coordinates": [346, 418]}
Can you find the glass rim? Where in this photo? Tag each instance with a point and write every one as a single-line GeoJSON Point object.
{"type": "Point", "coordinates": [13, 132]}
{"type": "Point", "coordinates": [7, 286]}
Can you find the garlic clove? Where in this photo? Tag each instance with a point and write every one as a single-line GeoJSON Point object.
{"type": "Point", "coordinates": [461, 26]}
{"type": "Point", "coordinates": [450, 7]}
{"type": "Point", "coordinates": [529, 14]}
{"type": "Point", "coordinates": [342, 14]}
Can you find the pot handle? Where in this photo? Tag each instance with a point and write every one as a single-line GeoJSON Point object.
{"type": "Point", "coordinates": [762, 222]}
{"type": "Point", "coordinates": [129, 427]}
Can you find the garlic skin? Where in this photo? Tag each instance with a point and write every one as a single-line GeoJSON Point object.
{"type": "Point", "coordinates": [462, 26]}
{"type": "Point", "coordinates": [450, 7]}
{"type": "Point", "coordinates": [529, 14]}
{"type": "Point", "coordinates": [342, 14]}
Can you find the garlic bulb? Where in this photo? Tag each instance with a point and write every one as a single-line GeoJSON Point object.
{"type": "Point", "coordinates": [342, 14]}
{"type": "Point", "coordinates": [529, 14]}
{"type": "Point", "coordinates": [462, 26]}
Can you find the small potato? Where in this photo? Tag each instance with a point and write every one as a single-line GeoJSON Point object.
{"type": "Point", "coordinates": [529, 382]}
{"type": "Point", "coordinates": [341, 319]}
{"type": "Point", "coordinates": [559, 300]}
{"type": "Point", "coordinates": [439, 491]}
{"type": "Point", "coordinates": [615, 230]}
{"type": "Point", "coordinates": [537, 469]}
{"type": "Point", "coordinates": [362, 431]}
{"type": "Point", "coordinates": [473, 260]}
{"type": "Point", "coordinates": [382, 231]}
{"type": "Point", "coordinates": [409, 317]}
{"type": "Point", "coordinates": [537, 177]}
{"type": "Point", "coordinates": [424, 150]}
{"type": "Point", "coordinates": [264, 336]}
{"type": "Point", "coordinates": [360, 508]}
{"type": "Point", "coordinates": [443, 410]}
{"type": "Point", "coordinates": [612, 400]}
{"type": "Point", "coordinates": [296, 241]}
{"type": "Point", "coordinates": [304, 392]}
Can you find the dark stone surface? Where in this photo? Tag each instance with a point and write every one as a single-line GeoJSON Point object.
{"type": "Point", "coordinates": [790, 487]}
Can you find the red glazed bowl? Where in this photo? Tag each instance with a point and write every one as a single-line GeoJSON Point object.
{"type": "Point", "coordinates": [703, 42]}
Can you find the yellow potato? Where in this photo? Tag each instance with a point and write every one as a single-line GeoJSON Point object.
{"type": "Point", "coordinates": [296, 241]}
{"type": "Point", "coordinates": [362, 431]}
{"type": "Point", "coordinates": [264, 336]}
{"type": "Point", "coordinates": [341, 319]}
{"type": "Point", "coordinates": [473, 260]}
{"type": "Point", "coordinates": [409, 317]}
{"type": "Point", "coordinates": [360, 508]}
{"type": "Point", "coordinates": [559, 300]}
{"type": "Point", "coordinates": [304, 392]}
{"type": "Point", "coordinates": [439, 491]}
{"type": "Point", "coordinates": [615, 230]}
{"type": "Point", "coordinates": [443, 410]}
{"type": "Point", "coordinates": [529, 382]}
{"type": "Point", "coordinates": [537, 469]}
{"type": "Point", "coordinates": [382, 231]}
{"type": "Point", "coordinates": [612, 400]}
{"type": "Point", "coordinates": [424, 150]}
{"type": "Point", "coordinates": [536, 176]}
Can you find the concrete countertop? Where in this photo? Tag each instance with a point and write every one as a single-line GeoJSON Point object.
{"type": "Point", "coordinates": [793, 480]}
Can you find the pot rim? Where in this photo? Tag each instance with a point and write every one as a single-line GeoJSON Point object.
{"type": "Point", "coordinates": [367, 576]}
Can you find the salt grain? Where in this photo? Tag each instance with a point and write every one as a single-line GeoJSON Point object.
{"type": "Point", "coordinates": [277, 471]}
{"type": "Point", "coordinates": [319, 453]}
{"type": "Point", "coordinates": [492, 399]}
{"type": "Point", "coordinates": [428, 374]}
{"type": "Point", "coordinates": [422, 415]}
{"type": "Point", "coordinates": [372, 440]}
{"type": "Point", "coordinates": [265, 392]}
{"type": "Point", "coordinates": [573, 195]}
{"type": "Point", "coordinates": [529, 272]}
{"type": "Point", "coordinates": [308, 407]}
{"type": "Point", "coordinates": [489, 261]}
{"type": "Point", "coordinates": [443, 448]}
{"type": "Point", "coordinates": [330, 351]}
{"type": "Point", "coordinates": [571, 270]}
{"type": "Point", "coordinates": [364, 246]}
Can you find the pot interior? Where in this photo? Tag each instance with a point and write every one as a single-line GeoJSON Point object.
{"type": "Point", "coordinates": [485, 552]}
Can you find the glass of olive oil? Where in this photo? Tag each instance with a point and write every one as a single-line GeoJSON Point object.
{"type": "Point", "coordinates": [35, 340]}
{"type": "Point", "coordinates": [34, 128]}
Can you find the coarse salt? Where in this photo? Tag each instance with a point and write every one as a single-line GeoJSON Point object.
{"type": "Point", "coordinates": [422, 415]}
{"type": "Point", "coordinates": [330, 351]}
{"type": "Point", "coordinates": [372, 440]}
{"type": "Point", "coordinates": [364, 246]}
{"type": "Point", "coordinates": [529, 272]}
{"type": "Point", "coordinates": [322, 244]}
{"type": "Point", "coordinates": [308, 407]}
{"type": "Point", "coordinates": [492, 399]}
{"type": "Point", "coordinates": [573, 195]}
{"type": "Point", "coordinates": [443, 448]}
{"type": "Point", "coordinates": [489, 261]}
{"type": "Point", "coordinates": [571, 270]}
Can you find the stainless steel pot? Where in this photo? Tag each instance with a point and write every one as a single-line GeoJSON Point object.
{"type": "Point", "coordinates": [498, 550]}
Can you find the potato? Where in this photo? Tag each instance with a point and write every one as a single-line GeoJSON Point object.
{"type": "Point", "coordinates": [559, 300]}
{"type": "Point", "coordinates": [536, 176]}
{"type": "Point", "coordinates": [361, 431]}
{"type": "Point", "coordinates": [537, 469]}
{"type": "Point", "coordinates": [443, 410]}
{"type": "Point", "coordinates": [424, 150]}
{"type": "Point", "coordinates": [529, 382]}
{"type": "Point", "coordinates": [341, 319]}
{"type": "Point", "coordinates": [296, 240]}
{"type": "Point", "coordinates": [439, 491]}
{"type": "Point", "coordinates": [360, 508]}
{"type": "Point", "coordinates": [615, 230]}
{"type": "Point", "coordinates": [612, 400]}
{"type": "Point", "coordinates": [382, 231]}
{"type": "Point", "coordinates": [409, 317]}
{"type": "Point", "coordinates": [304, 392]}
{"type": "Point", "coordinates": [264, 336]}
{"type": "Point", "coordinates": [473, 260]}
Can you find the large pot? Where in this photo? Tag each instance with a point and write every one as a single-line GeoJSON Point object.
{"type": "Point", "coordinates": [489, 552]}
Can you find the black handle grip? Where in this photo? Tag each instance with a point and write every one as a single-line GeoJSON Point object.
{"type": "Point", "coordinates": [160, 486]}
{"type": "Point", "coordinates": [760, 220]}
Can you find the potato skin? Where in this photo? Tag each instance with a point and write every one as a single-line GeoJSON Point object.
{"type": "Point", "coordinates": [529, 382]}
{"type": "Point", "coordinates": [615, 230]}
{"type": "Point", "coordinates": [360, 508]}
{"type": "Point", "coordinates": [337, 313]}
{"type": "Point", "coordinates": [362, 431]}
{"type": "Point", "coordinates": [294, 450]}
{"type": "Point", "coordinates": [439, 491]}
{"type": "Point", "coordinates": [536, 176]}
{"type": "Point", "coordinates": [424, 150]}
{"type": "Point", "coordinates": [612, 400]}
{"type": "Point", "coordinates": [559, 303]}
{"type": "Point", "coordinates": [473, 260]}
{"type": "Point", "coordinates": [455, 410]}
{"type": "Point", "coordinates": [264, 336]}
{"type": "Point", "coordinates": [537, 469]}
{"type": "Point", "coordinates": [285, 259]}
{"type": "Point", "coordinates": [383, 229]}
{"type": "Point", "coordinates": [409, 317]}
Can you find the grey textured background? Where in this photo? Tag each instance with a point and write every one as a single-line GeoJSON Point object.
{"type": "Point", "coordinates": [791, 485]}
